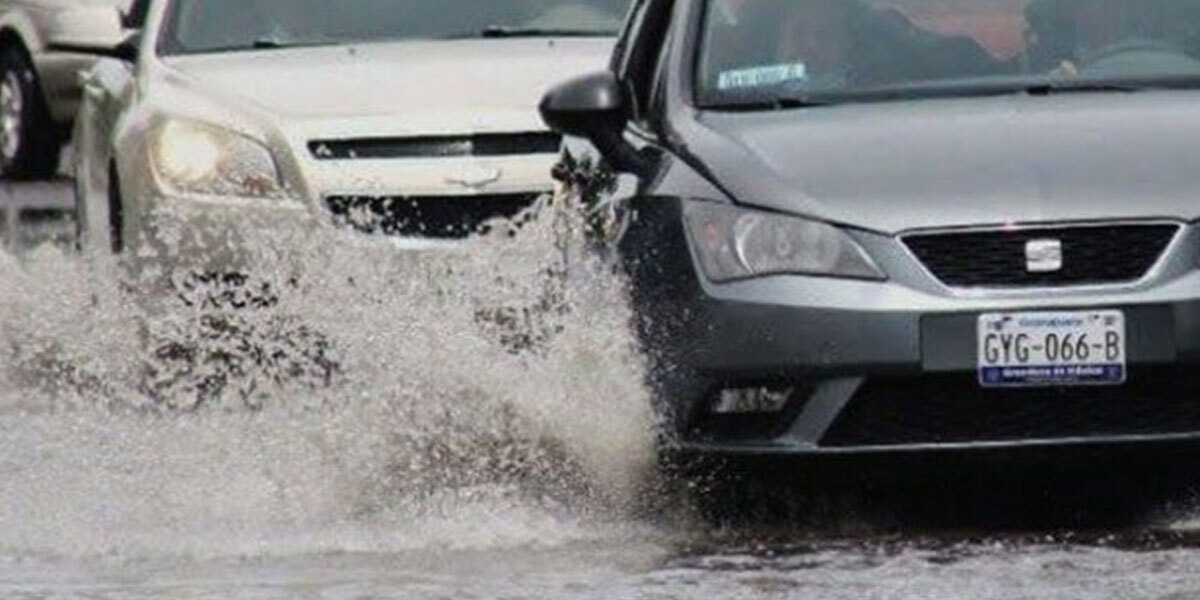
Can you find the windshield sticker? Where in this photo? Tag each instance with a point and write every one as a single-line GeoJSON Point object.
{"type": "Point", "coordinates": [761, 76]}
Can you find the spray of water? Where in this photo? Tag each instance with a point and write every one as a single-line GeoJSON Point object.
{"type": "Point", "coordinates": [345, 396]}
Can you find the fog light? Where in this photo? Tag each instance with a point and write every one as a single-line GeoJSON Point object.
{"type": "Point", "coordinates": [738, 401]}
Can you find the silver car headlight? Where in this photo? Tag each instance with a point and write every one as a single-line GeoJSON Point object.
{"type": "Point", "coordinates": [734, 243]}
{"type": "Point", "coordinates": [195, 158]}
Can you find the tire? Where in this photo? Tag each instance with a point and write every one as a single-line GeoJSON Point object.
{"type": "Point", "coordinates": [29, 144]}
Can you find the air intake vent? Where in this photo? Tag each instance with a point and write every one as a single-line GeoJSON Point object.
{"type": "Point", "coordinates": [1090, 255]}
{"type": "Point", "coordinates": [954, 409]}
{"type": "Point", "coordinates": [438, 217]}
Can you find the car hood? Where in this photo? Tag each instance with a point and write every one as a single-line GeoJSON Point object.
{"type": "Point", "coordinates": [964, 162]}
{"type": "Point", "coordinates": [400, 79]}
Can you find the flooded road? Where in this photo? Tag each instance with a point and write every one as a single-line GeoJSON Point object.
{"type": "Point", "coordinates": [388, 425]}
{"type": "Point", "coordinates": [640, 566]}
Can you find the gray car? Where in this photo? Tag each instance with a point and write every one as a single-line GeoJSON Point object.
{"type": "Point", "coordinates": [874, 226]}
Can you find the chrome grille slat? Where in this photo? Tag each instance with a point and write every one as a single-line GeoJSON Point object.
{"type": "Point", "coordinates": [449, 146]}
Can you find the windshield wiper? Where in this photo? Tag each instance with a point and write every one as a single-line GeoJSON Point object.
{"type": "Point", "coordinates": [781, 103]}
{"type": "Point", "coordinates": [269, 43]}
{"type": "Point", "coordinates": [508, 31]}
{"type": "Point", "coordinates": [1066, 87]}
{"type": "Point", "coordinates": [956, 89]}
{"type": "Point", "coordinates": [272, 43]}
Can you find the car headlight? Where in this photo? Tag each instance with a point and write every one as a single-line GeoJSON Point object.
{"type": "Point", "coordinates": [191, 157]}
{"type": "Point", "coordinates": [734, 243]}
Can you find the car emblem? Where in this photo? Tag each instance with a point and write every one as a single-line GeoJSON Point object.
{"type": "Point", "coordinates": [1043, 256]}
{"type": "Point", "coordinates": [475, 177]}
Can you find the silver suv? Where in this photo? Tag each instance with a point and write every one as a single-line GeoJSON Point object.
{"type": "Point", "coordinates": [44, 44]}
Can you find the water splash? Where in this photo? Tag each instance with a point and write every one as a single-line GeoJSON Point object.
{"type": "Point", "coordinates": [348, 396]}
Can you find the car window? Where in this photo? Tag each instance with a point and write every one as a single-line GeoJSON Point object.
{"type": "Point", "coordinates": [657, 84]}
{"type": "Point", "coordinates": [756, 49]}
{"type": "Point", "coordinates": [644, 51]}
{"type": "Point", "coordinates": [219, 25]}
{"type": "Point", "coordinates": [628, 31]}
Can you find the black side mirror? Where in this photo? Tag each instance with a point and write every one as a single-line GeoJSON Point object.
{"type": "Point", "coordinates": [126, 50]}
{"type": "Point", "coordinates": [129, 48]}
{"type": "Point", "coordinates": [586, 105]}
{"type": "Point", "coordinates": [594, 107]}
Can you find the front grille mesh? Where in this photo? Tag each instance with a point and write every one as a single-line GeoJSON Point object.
{"type": "Point", "coordinates": [439, 217]}
{"type": "Point", "coordinates": [1091, 255]}
{"type": "Point", "coordinates": [484, 144]}
{"type": "Point", "coordinates": [955, 409]}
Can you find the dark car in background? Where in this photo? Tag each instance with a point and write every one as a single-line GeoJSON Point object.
{"type": "Point", "coordinates": [873, 226]}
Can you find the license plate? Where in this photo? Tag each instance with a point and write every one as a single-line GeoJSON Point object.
{"type": "Point", "coordinates": [1052, 348]}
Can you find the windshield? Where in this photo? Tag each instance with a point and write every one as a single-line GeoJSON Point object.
{"type": "Point", "coordinates": [223, 25]}
{"type": "Point", "coordinates": [776, 52]}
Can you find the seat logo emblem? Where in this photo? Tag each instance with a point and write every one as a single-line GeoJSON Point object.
{"type": "Point", "coordinates": [1043, 256]}
{"type": "Point", "coordinates": [475, 177]}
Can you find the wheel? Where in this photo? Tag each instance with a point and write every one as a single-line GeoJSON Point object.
{"type": "Point", "coordinates": [29, 145]}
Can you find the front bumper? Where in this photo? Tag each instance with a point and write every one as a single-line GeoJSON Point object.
{"type": "Point", "coordinates": [174, 234]}
{"type": "Point", "coordinates": [178, 236]}
{"type": "Point", "coordinates": [890, 366]}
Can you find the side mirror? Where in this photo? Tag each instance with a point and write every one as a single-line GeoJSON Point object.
{"type": "Point", "coordinates": [129, 48]}
{"type": "Point", "coordinates": [594, 107]}
{"type": "Point", "coordinates": [89, 30]}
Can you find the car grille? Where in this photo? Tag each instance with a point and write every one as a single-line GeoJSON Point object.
{"type": "Point", "coordinates": [1091, 255]}
{"type": "Point", "coordinates": [955, 409]}
{"type": "Point", "coordinates": [443, 217]}
{"type": "Point", "coordinates": [489, 144]}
